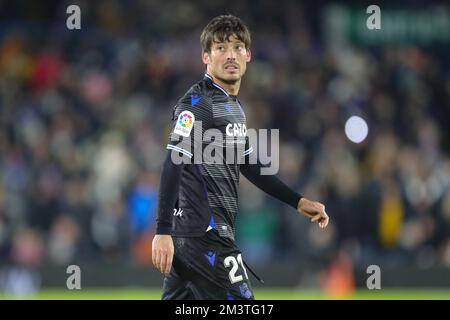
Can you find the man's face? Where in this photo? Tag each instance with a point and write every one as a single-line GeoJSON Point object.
{"type": "Point", "coordinates": [227, 60]}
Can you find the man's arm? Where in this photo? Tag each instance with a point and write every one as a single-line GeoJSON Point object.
{"type": "Point", "coordinates": [168, 194]}
{"type": "Point", "coordinates": [162, 246]}
{"type": "Point", "coordinates": [276, 188]}
{"type": "Point", "coordinates": [270, 184]}
{"type": "Point", "coordinates": [186, 115]}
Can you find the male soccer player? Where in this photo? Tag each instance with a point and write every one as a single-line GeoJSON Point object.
{"type": "Point", "coordinates": [194, 243]}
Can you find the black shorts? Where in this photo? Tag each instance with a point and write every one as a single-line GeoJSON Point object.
{"type": "Point", "coordinates": [207, 268]}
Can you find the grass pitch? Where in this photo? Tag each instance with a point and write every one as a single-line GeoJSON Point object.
{"type": "Point", "coordinates": [260, 294]}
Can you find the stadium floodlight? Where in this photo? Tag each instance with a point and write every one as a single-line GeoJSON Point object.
{"type": "Point", "coordinates": [356, 129]}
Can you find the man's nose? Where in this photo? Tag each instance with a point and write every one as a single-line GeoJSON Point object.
{"type": "Point", "coordinates": [231, 54]}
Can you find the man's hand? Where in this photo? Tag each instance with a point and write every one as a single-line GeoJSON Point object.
{"type": "Point", "coordinates": [314, 210]}
{"type": "Point", "coordinates": [162, 252]}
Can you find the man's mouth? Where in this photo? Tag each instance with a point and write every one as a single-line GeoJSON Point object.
{"type": "Point", "coordinates": [231, 67]}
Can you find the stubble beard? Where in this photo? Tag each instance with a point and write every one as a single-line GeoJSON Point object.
{"type": "Point", "coordinates": [229, 81]}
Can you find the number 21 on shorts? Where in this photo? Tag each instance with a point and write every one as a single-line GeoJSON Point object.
{"type": "Point", "coordinates": [234, 263]}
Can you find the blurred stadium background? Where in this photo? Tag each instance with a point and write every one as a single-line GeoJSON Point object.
{"type": "Point", "coordinates": [84, 118]}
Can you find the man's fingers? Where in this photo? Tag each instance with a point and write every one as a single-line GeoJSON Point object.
{"type": "Point", "coordinates": [316, 211]}
{"type": "Point", "coordinates": [325, 223]}
{"type": "Point", "coordinates": [316, 217]}
{"type": "Point", "coordinates": [154, 257]}
{"type": "Point", "coordinates": [155, 253]}
{"type": "Point", "coordinates": [163, 262]}
{"type": "Point", "coordinates": [162, 253]}
{"type": "Point", "coordinates": [320, 217]}
{"type": "Point", "coordinates": [157, 260]}
{"type": "Point", "coordinates": [168, 263]}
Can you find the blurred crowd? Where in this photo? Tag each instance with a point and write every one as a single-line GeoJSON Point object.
{"type": "Point", "coordinates": [85, 116]}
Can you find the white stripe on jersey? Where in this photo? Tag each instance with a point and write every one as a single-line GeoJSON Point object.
{"type": "Point", "coordinates": [175, 148]}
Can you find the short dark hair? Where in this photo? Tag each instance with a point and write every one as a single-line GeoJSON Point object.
{"type": "Point", "coordinates": [221, 28]}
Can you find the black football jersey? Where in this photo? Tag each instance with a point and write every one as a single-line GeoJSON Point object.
{"type": "Point", "coordinates": [209, 135]}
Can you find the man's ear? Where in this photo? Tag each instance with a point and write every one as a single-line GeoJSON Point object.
{"type": "Point", "coordinates": [249, 55]}
{"type": "Point", "coordinates": [205, 57]}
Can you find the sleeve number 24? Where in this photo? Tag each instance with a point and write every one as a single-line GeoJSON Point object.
{"type": "Point", "coordinates": [232, 262]}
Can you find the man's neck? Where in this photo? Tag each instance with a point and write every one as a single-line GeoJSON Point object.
{"type": "Point", "coordinates": [232, 89]}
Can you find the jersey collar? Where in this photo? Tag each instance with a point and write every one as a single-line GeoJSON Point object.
{"type": "Point", "coordinates": [216, 85]}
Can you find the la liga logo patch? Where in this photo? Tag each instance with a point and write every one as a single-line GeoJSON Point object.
{"type": "Point", "coordinates": [185, 123]}
{"type": "Point", "coordinates": [185, 119]}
